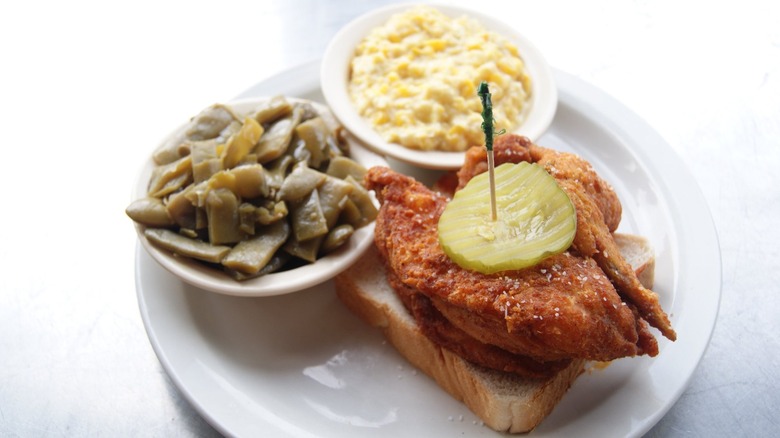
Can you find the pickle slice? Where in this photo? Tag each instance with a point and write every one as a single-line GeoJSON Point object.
{"type": "Point", "coordinates": [536, 219]}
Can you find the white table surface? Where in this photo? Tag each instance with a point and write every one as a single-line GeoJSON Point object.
{"type": "Point", "coordinates": [88, 88]}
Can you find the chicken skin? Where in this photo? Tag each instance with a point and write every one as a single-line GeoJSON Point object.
{"type": "Point", "coordinates": [566, 307]}
{"type": "Point", "coordinates": [598, 215]}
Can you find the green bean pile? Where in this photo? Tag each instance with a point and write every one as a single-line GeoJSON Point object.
{"type": "Point", "coordinates": [254, 194]}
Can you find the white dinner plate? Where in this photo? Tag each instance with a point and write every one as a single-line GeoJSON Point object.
{"type": "Point", "coordinates": [302, 365]}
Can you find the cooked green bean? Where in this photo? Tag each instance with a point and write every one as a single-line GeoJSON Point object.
{"type": "Point", "coordinates": [307, 250]}
{"type": "Point", "coordinates": [211, 122]}
{"type": "Point", "coordinates": [204, 160]}
{"type": "Point", "coordinates": [246, 181]}
{"type": "Point", "coordinates": [170, 177]}
{"type": "Point", "coordinates": [185, 246]}
{"type": "Point", "coordinates": [181, 210]}
{"type": "Point", "coordinates": [336, 237]}
{"type": "Point", "coordinates": [249, 256]}
{"type": "Point", "coordinates": [276, 139]}
{"type": "Point", "coordinates": [240, 143]}
{"type": "Point", "coordinates": [362, 200]}
{"type": "Point", "coordinates": [313, 134]}
{"type": "Point", "coordinates": [273, 109]}
{"type": "Point", "coordinates": [247, 218]}
{"type": "Point", "coordinates": [222, 214]}
{"type": "Point", "coordinates": [307, 219]}
{"type": "Point", "coordinates": [342, 167]}
{"type": "Point", "coordinates": [150, 212]}
{"type": "Point", "coordinates": [277, 262]}
{"type": "Point", "coordinates": [299, 183]}
{"type": "Point", "coordinates": [276, 171]}
{"type": "Point", "coordinates": [334, 194]}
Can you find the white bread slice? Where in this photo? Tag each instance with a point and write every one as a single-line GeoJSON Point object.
{"type": "Point", "coordinates": [639, 254]}
{"type": "Point", "coordinates": [505, 402]}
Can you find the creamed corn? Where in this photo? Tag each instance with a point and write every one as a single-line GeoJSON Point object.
{"type": "Point", "coordinates": [415, 79]}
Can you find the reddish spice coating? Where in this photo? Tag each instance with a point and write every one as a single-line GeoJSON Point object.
{"type": "Point", "coordinates": [565, 307]}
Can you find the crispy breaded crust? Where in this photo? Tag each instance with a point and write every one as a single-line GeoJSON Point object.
{"type": "Point", "coordinates": [563, 308]}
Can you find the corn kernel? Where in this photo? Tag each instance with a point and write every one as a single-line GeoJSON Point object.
{"type": "Point", "coordinates": [437, 44]}
{"type": "Point", "coordinates": [508, 66]}
{"type": "Point", "coordinates": [402, 91]}
{"type": "Point", "coordinates": [380, 118]}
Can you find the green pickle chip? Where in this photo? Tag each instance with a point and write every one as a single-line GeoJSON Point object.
{"type": "Point", "coordinates": [535, 219]}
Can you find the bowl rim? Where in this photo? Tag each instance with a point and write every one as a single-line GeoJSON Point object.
{"type": "Point", "coordinates": [334, 74]}
{"type": "Point", "coordinates": [214, 280]}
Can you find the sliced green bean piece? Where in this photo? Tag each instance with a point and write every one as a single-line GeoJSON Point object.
{"type": "Point", "coordinates": [276, 171]}
{"type": "Point", "coordinates": [247, 181]}
{"type": "Point", "coordinates": [276, 263]}
{"type": "Point", "coordinates": [314, 134]}
{"type": "Point", "coordinates": [298, 151]}
{"type": "Point", "coordinates": [150, 212]}
{"type": "Point", "coordinates": [229, 131]}
{"type": "Point", "coordinates": [350, 214]}
{"type": "Point", "coordinates": [307, 219]}
{"type": "Point", "coordinates": [251, 255]}
{"type": "Point", "coordinates": [185, 246]}
{"type": "Point", "coordinates": [210, 122]}
{"type": "Point", "coordinates": [307, 250]}
{"type": "Point", "coordinates": [363, 202]}
{"type": "Point", "coordinates": [274, 142]}
{"type": "Point", "coordinates": [181, 210]}
{"type": "Point", "coordinates": [196, 193]}
{"type": "Point", "coordinates": [300, 182]}
{"type": "Point", "coordinates": [336, 237]}
{"type": "Point", "coordinates": [333, 194]}
{"type": "Point", "coordinates": [240, 143]}
{"type": "Point", "coordinates": [342, 167]}
{"type": "Point", "coordinates": [166, 179]}
{"type": "Point", "coordinates": [337, 143]}
{"type": "Point", "coordinates": [247, 218]}
{"type": "Point", "coordinates": [251, 181]}
{"type": "Point", "coordinates": [204, 159]}
{"type": "Point", "coordinates": [175, 184]}
{"type": "Point", "coordinates": [223, 217]}
{"type": "Point", "coordinates": [271, 110]}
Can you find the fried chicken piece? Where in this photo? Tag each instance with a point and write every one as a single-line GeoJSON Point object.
{"type": "Point", "coordinates": [598, 215]}
{"type": "Point", "coordinates": [562, 308]}
{"type": "Point", "coordinates": [442, 332]}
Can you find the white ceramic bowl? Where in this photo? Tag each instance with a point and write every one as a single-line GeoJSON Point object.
{"type": "Point", "coordinates": [335, 74]}
{"type": "Point", "coordinates": [204, 277]}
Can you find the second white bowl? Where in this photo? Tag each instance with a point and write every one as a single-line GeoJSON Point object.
{"type": "Point", "coordinates": [335, 72]}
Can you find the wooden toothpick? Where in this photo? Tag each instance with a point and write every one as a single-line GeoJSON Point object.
{"type": "Point", "coordinates": [487, 127]}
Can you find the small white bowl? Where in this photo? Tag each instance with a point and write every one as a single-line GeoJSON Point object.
{"type": "Point", "coordinates": [278, 283]}
{"type": "Point", "coordinates": [334, 78]}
